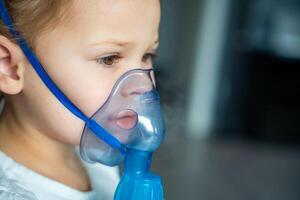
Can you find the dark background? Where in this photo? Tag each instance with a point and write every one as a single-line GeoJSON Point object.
{"type": "Point", "coordinates": [229, 78]}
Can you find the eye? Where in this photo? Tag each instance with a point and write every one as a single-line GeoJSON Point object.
{"type": "Point", "coordinates": [109, 60]}
{"type": "Point", "coordinates": [149, 57]}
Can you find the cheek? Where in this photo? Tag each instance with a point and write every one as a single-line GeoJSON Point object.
{"type": "Point", "coordinates": [47, 114]}
{"type": "Point", "coordinates": [86, 84]}
{"type": "Point", "coordinates": [92, 96]}
{"type": "Point", "coordinates": [87, 87]}
{"type": "Point", "coordinates": [88, 90]}
{"type": "Point", "coordinates": [83, 81]}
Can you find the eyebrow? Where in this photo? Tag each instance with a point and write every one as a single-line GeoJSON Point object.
{"type": "Point", "coordinates": [115, 42]}
{"type": "Point", "coordinates": [120, 43]}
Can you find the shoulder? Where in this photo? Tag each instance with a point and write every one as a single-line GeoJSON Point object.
{"type": "Point", "coordinates": [12, 190]}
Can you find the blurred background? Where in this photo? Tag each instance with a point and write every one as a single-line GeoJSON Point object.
{"type": "Point", "coordinates": [229, 78]}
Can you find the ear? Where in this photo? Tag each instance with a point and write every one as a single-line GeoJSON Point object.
{"type": "Point", "coordinates": [12, 66]}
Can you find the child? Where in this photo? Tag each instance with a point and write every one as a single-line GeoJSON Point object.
{"type": "Point", "coordinates": [85, 46]}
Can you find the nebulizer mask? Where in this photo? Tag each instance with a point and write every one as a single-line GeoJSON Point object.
{"type": "Point", "coordinates": [127, 127]}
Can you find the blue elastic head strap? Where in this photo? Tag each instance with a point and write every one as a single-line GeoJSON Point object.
{"type": "Point", "coordinates": [94, 126]}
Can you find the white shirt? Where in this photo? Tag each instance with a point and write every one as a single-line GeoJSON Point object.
{"type": "Point", "coordinates": [20, 183]}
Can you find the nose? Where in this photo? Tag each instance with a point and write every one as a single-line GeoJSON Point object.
{"type": "Point", "coordinates": [137, 84]}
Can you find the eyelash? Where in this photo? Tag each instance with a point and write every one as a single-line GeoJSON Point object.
{"type": "Point", "coordinates": [115, 58]}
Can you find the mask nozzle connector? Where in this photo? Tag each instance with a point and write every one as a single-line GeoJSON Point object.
{"type": "Point", "coordinates": [137, 161]}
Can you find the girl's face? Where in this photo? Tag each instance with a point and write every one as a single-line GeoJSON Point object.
{"type": "Point", "coordinates": [85, 55]}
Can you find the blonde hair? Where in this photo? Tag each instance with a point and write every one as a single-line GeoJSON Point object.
{"type": "Point", "coordinates": [32, 17]}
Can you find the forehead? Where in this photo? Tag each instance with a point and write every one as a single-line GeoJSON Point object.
{"type": "Point", "coordinates": [116, 19]}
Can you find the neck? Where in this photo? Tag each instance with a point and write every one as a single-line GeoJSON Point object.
{"type": "Point", "coordinates": [35, 150]}
{"type": "Point", "coordinates": [18, 137]}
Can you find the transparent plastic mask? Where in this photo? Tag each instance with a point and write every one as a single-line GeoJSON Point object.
{"type": "Point", "coordinates": [132, 114]}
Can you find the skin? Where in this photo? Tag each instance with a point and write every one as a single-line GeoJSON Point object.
{"type": "Point", "coordinates": [80, 56]}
